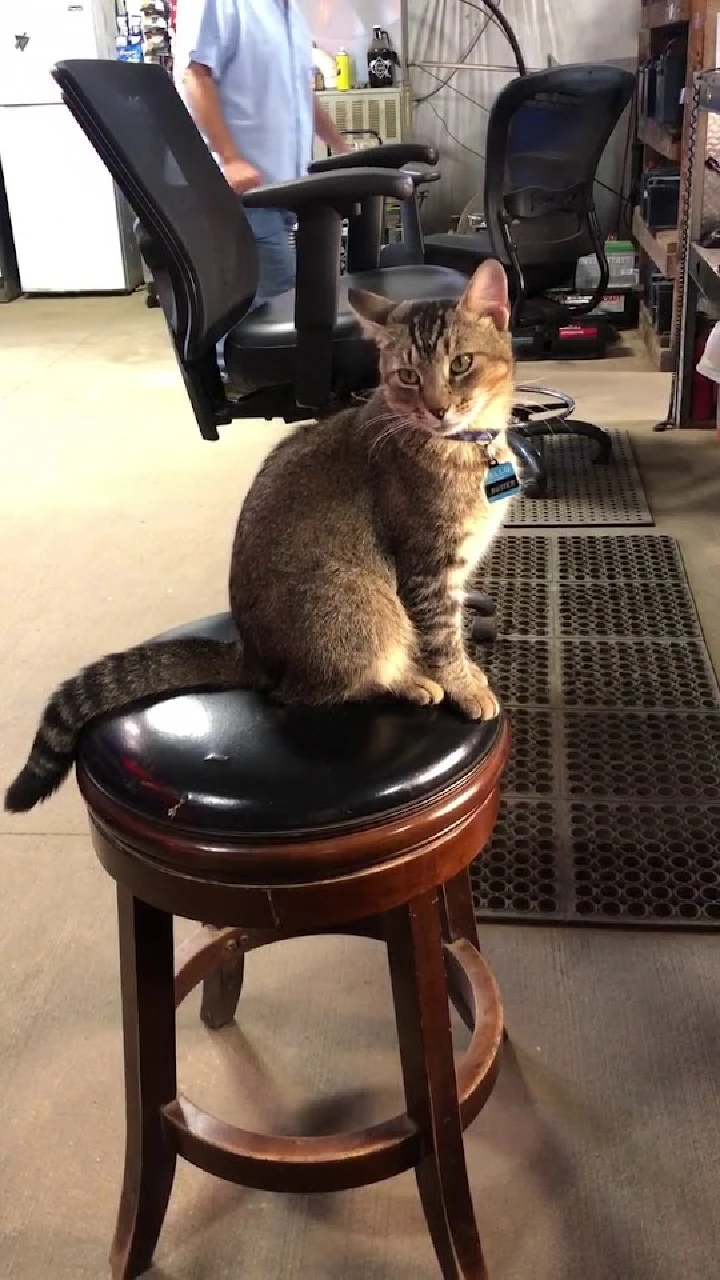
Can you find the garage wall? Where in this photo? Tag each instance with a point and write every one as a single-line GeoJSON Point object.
{"type": "Point", "coordinates": [348, 24]}
{"type": "Point", "coordinates": [441, 30]}
{"type": "Point", "coordinates": [569, 30]}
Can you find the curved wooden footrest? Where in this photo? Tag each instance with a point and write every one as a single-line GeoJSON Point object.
{"type": "Point", "coordinates": [335, 1162]}
{"type": "Point", "coordinates": [279, 1163]}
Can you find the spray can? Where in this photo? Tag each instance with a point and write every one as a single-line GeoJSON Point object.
{"type": "Point", "coordinates": [343, 77]}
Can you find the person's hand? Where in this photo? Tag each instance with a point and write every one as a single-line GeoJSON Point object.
{"type": "Point", "coordinates": [241, 176]}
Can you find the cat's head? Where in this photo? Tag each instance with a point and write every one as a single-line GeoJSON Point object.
{"type": "Point", "coordinates": [446, 367]}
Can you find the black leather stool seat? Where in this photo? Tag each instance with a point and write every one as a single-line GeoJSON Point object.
{"type": "Point", "coordinates": [233, 762]}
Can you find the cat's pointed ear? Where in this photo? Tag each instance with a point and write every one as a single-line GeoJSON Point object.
{"type": "Point", "coordinates": [373, 312]}
{"type": "Point", "coordinates": [487, 294]}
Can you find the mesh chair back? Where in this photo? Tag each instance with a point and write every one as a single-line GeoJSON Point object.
{"type": "Point", "coordinates": [546, 134]}
{"type": "Point", "coordinates": [197, 231]}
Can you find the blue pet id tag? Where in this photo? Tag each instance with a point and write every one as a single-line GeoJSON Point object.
{"type": "Point", "coordinates": [501, 482]}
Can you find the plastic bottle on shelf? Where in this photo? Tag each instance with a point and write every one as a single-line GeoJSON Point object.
{"type": "Point", "coordinates": [343, 74]}
{"type": "Point", "coordinates": [382, 60]}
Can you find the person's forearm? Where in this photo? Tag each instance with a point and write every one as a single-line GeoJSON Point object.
{"type": "Point", "coordinates": [326, 129]}
{"type": "Point", "coordinates": [204, 103]}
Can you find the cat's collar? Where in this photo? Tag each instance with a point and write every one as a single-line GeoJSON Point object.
{"type": "Point", "coordinates": [473, 437]}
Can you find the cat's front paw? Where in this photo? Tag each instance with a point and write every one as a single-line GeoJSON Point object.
{"type": "Point", "coordinates": [422, 690]}
{"type": "Point", "coordinates": [472, 694]}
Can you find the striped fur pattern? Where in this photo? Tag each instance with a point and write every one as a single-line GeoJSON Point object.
{"type": "Point", "coordinates": [118, 680]}
{"type": "Point", "coordinates": [353, 544]}
{"type": "Point", "coordinates": [368, 525]}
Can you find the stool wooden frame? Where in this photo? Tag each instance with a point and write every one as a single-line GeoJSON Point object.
{"type": "Point", "coordinates": [405, 882]}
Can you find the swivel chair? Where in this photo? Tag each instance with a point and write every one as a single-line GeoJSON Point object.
{"type": "Point", "coordinates": [301, 354]}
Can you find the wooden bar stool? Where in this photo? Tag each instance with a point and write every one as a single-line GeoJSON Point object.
{"type": "Point", "coordinates": [265, 823]}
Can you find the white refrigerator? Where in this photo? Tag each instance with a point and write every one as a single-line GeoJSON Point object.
{"type": "Point", "coordinates": [72, 229]}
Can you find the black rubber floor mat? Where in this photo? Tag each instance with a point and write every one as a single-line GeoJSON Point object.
{"type": "Point", "coordinates": [637, 673]}
{"type": "Point", "coordinates": [611, 800]}
{"type": "Point", "coordinates": [584, 494]}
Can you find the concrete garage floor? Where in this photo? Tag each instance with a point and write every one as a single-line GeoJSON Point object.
{"type": "Point", "coordinates": [598, 1156]}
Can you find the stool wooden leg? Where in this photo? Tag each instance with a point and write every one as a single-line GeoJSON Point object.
{"type": "Point", "coordinates": [148, 1009]}
{"type": "Point", "coordinates": [460, 913]}
{"type": "Point", "coordinates": [422, 1012]}
{"type": "Point", "coordinates": [457, 919]}
{"type": "Point", "coordinates": [221, 991]}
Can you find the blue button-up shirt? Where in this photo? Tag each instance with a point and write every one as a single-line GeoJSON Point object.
{"type": "Point", "coordinates": [260, 55]}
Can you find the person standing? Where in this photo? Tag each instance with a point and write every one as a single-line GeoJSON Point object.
{"type": "Point", "coordinates": [244, 68]}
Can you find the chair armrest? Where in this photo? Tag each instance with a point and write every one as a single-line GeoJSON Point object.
{"type": "Point", "coordinates": [340, 191]}
{"type": "Point", "coordinates": [423, 177]}
{"type": "Point", "coordinates": [366, 230]}
{"type": "Point", "coordinates": [321, 202]}
{"type": "Point", "coordinates": [392, 155]}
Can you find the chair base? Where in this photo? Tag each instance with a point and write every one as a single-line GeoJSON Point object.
{"type": "Point", "coordinates": [536, 485]}
{"type": "Point", "coordinates": [434, 958]}
{"type": "Point", "coordinates": [484, 624]}
{"type": "Point", "coordinates": [546, 411]}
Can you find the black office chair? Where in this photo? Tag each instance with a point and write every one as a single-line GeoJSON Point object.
{"type": "Point", "coordinates": [297, 356]}
{"type": "Point", "coordinates": [546, 134]}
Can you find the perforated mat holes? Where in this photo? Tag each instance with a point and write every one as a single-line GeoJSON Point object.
{"type": "Point", "coordinates": [523, 606]}
{"type": "Point", "coordinates": [642, 755]}
{"type": "Point", "coordinates": [628, 832]}
{"type": "Point", "coordinates": [516, 873]}
{"type": "Point", "coordinates": [622, 608]}
{"type": "Point", "coordinates": [530, 770]}
{"type": "Point", "coordinates": [636, 674]}
{"type": "Point", "coordinates": [583, 494]}
{"type": "Point", "coordinates": [635, 556]}
{"type": "Point", "coordinates": [516, 556]}
{"type": "Point", "coordinates": [646, 861]}
{"type": "Point", "coordinates": [518, 670]}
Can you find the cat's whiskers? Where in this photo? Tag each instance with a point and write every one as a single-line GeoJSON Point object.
{"type": "Point", "coordinates": [390, 432]}
{"type": "Point", "coordinates": [386, 416]}
{"type": "Point", "coordinates": [387, 427]}
{"type": "Point", "coordinates": [379, 418]}
{"type": "Point", "coordinates": [390, 424]}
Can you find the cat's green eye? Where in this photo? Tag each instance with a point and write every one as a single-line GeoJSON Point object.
{"type": "Point", "coordinates": [408, 377]}
{"type": "Point", "coordinates": [460, 365]}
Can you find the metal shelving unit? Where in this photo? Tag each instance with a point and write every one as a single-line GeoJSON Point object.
{"type": "Point", "coordinates": [660, 21]}
{"type": "Point", "coordinates": [699, 266]}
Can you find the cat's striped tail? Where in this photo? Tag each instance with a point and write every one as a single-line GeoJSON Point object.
{"type": "Point", "coordinates": [111, 685]}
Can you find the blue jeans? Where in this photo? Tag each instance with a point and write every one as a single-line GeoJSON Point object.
{"type": "Point", "coordinates": [276, 258]}
{"type": "Point", "coordinates": [276, 255]}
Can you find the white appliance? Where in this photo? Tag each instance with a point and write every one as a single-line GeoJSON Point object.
{"type": "Point", "coordinates": [374, 113]}
{"type": "Point", "coordinates": [72, 229]}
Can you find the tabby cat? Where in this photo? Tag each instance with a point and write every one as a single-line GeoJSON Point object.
{"type": "Point", "coordinates": [353, 544]}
